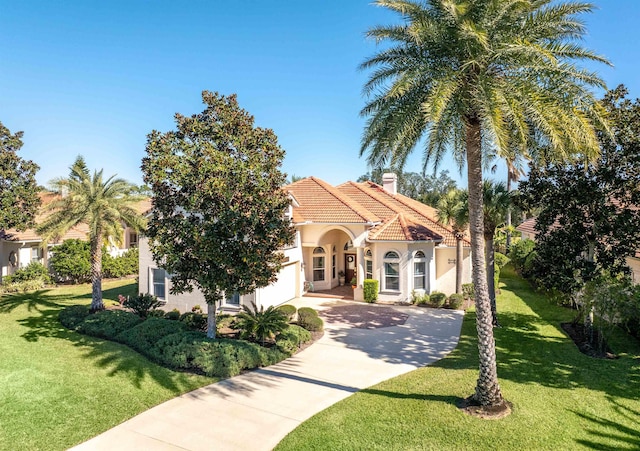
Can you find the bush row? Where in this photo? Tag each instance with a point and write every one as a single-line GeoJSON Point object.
{"type": "Point", "coordinates": [437, 299]}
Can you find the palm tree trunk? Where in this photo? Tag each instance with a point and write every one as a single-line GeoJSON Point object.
{"type": "Point", "coordinates": [96, 272]}
{"type": "Point", "coordinates": [491, 272]}
{"type": "Point", "coordinates": [459, 258]}
{"type": "Point", "coordinates": [508, 221]}
{"type": "Point", "coordinates": [487, 388]}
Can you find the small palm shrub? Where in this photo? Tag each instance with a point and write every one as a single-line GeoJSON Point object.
{"type": "Point", "coordinates": [260, 325]}
{"type": "Point", "coordinates": [142, 304]}
{"type": "Point", "coordinates": [437, 299]}
{"type": "Point", "coordinates": [289, 311]}
{"type": "Point", "coordinates": [455, 301]}
{"type": "Point", "coordinates": [370, 290]}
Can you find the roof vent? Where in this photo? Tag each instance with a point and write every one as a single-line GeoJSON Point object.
{"type": "Point", "coordinates": [390, 183]}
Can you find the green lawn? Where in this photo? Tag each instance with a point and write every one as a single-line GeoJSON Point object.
{"type": "Point", "coordinates": [59, 388]}
{"type": "Point", "coordinates": [562, 399]}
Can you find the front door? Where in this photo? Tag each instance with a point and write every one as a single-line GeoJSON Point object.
{"type": "Point", "coordinates": [349, 267]}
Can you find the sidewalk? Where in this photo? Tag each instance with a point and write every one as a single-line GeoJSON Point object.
{"type": "Point", "coordinates": [255, 410]}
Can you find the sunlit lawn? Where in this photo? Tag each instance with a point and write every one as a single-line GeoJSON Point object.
{"type": "Point", "coordinates": [562, 399]}
{"type": "Point", "coordinates": [59, 388]}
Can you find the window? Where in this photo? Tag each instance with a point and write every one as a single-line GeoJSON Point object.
{"type": "Point", "coordinates": [333, 266]}
{"type": "Point", "coordinates": [36, 254]}
{"type": "Point", "coordinates": [318, 264]}
{"type": "Point", "coordinates": [391, 271]}
{"type": "Point", "coordinates": [234, 299]}
{"type": "Point", "coordinates": [419, 271]}
{"type": "Point", "coordinates": [133, 239]}
{"type": "Point", "coordinates": [158, 288]}
{"type": "Point", "coordinates": [368, 264]}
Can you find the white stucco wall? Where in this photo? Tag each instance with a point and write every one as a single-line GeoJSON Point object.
{"type": "Point", "coordinates": [634, 265]}
{"type": "Point", "coordinates": [446, 269]}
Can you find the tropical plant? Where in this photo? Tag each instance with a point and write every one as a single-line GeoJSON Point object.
{"type": "Point", "coordinates": [260, 324]}
{"type": "Point", "coordinates": [453, 211]}
{"type": "Point", "coordinates": [103, 205]}
{"type": "Point", "coordinates": [218, 219]}
{"type": "Point", "coordinates": [471, 75]}
{"type": "Point", "coordinates": [142, 304]}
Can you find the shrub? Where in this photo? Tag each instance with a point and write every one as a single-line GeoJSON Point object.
{"type": "Point", "coordinates": [121, 266]}
{"type": "Point", "coordinates": [468, 290]}
{"type": "Point", "coordinates": [33, 271]}
{"type": "Point", "coordinates": [519, 252]}
{"type": "Point", "coordinates": [108, 323]}
{"type": "Point", "coordinates": [142, 304]}
{"type": "Point", "coordinates": [288, 310]}
{"type": "Point", "coordinates": [306, 312]}
{"type": "Point", "coordinates": [496, 277]}
{"type": "Point", "coordinates": [70, 261]}
{"type": "Point", "coordinates": [438, 299]}
{"type": "Point", "coordinates": [529, 266]}
{"type": "Point", "coordinates": [156, 313]}
{"type": "Point", "coordinates": [312, 323]}
{"type": "Point", "coordinates": [455, 301]}
{"type": "Point", "coordinates": [72, 316]}
{"type": "Point", "coordinates": [194, 321]}
{"type": "Point", "coordinates": [500, 259]}
{"type": "Point", "coordinates": [173, 315]}
{"type": "Point", "coordinates": [145, 335]}
{"type": "Point", "coordinates": [19, 287]}
{"type": "Point", "coordinates": [290, 339]}
{"type": "Point", "coordinates": [370, 290]}
{"type": "Point", "coordinates": [196, 308]}
{"type": "Point", "coordinates": [260, 325]}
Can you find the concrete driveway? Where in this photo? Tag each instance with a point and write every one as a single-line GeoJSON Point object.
{"type": "Point", "coordinates": [255, 410]}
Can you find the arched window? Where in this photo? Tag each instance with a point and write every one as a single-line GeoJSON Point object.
{"type": "Point", "coordinates": [368, 264]}
{"type": "Point", "coordinates": [392, 271]}
{"type": "Point", "coordinates": [419, 271]}
{"type": "Point", "coordinates": [318, 264]}
{"type": "Point", "coordinates": [348, 245]}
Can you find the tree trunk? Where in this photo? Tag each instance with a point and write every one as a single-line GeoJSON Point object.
{"type": "Point", "coordinates": [487, 388]}
{"type": "Point", "coordinates": [211, 317]}
{"type": "Point", "coordinates": [459, 258]}
{"type": "Point", "coordinates": [96, 272]}
{"type": "Point", "coordinates": [508, 222]}
{"type": "Point", "coordinates": [491, 273]}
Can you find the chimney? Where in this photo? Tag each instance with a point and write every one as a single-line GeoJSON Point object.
{"type": "Point", "coordinates": [390, 183]}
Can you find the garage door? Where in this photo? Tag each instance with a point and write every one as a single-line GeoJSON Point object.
{"type": "Point", "coordinates": [281, 290]}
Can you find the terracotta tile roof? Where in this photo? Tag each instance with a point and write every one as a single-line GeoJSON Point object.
{"type": "Point", "coordinates": [394, 217]}
{"type": "Point", "coordinates": [528, 226]}
{"type": "Point", "coordinates": [322, 203]}
{"type": "Point", "coordinates": [413, 211]}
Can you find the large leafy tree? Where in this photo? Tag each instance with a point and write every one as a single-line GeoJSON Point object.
{"type": "Point", "coordinates": [472, 76]}
{"type": "Point", "coordinates": [589, 214]}
{"type": "Point", "coordinates": [453, 211]}
{"type": "Point", "coordinates": [104, 205]}
{"type": "Point", "coordinates": [19, 199]}
{"type": "Point", "coordinates": [218, 216]}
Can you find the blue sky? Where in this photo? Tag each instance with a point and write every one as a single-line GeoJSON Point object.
{"type": "Point", "coordinates": [95, 77]}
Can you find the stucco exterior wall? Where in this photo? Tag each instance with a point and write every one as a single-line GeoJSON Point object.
{"type": "Point", "coordinates": [446, 269]}
{"type": "Point", "coordinates": [634, 265]}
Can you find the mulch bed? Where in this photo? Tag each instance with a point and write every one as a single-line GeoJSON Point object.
{"type": "Point", "coordinates": [577, 334]}
{"type": "Point", "coordinates": [364, 316]}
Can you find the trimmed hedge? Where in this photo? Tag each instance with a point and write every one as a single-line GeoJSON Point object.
{"type": "Point", "coordinates": [370, 290]}
{"type": "Point", "coordinates": [288, 310]}
{"type": "Point", "coordinates": [456, 301]}
{"type": "Point", "coordinates": [145, 335]}
{"type": "Point", "coordinates": [195, 321]}
{"type": "Point", "coordinates": [437, 299]}
{"type": "Point", "coordinates": [468, 290]}
{"type": "Point", "coordinates": [108, 323]}
{"type": "Point", "coordinates": [309, 319]}
{"type": "Point", "coordinates": [73, 316]}
{"type": "Point", "coordinates": [290, 339]}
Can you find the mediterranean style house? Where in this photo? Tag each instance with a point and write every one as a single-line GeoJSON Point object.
{"type": "Point", "coordinates": [19, 248]}
{"type": "Point", "coordinates": [363, 230]}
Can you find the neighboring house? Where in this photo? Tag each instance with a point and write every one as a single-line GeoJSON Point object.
{"type": "Point", "coordinates": [364, 229]}
{"type": "Point", "coordinates": [527, 228]}
{"type": "Point", "coordinates": [18, 249]}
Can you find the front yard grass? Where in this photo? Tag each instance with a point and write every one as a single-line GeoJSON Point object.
{"type": "Point", "coordinates": [59, 388]}
{"type": "Point", "coordinates": [561, 398]}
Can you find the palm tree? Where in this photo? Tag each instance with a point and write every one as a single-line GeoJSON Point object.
{"type": "Point", "coordinates": [453, 211]}
{"type": "Point", "coordinates": [464, 75]}
{"type": "Point", "coordinates": [496, 203]}
{"type": "Point", "coordinates": [103, 205]}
